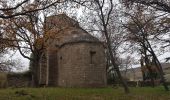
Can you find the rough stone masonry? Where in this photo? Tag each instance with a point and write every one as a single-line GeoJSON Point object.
{"type": "Point", "coordinates": [71, 57]}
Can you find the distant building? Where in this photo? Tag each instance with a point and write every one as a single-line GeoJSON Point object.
{"type": "Point", "coordinates": [136, 74]}
{"type": "Point", "coordinates": [71, 57]}
{"type": "Point", "coordinates": [133, 74]}
{"type": "Point", "coordinates": [166, 69]}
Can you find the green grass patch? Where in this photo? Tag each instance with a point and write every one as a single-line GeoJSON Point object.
{"type": "Point", "coordinates": [144, 93]}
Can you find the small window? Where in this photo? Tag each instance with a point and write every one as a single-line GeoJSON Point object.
{"type": "Point", "coordinates": [61, 58]}
{"type": "Point", "coordinates": [92, 54]}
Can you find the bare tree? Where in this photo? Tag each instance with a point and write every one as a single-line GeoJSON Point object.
{"type": "Point", "coordinates": [142, 27]}
{"type": "Point", "coordinates": [105, 21]}
{"type": "Point", "coordinates": [23, 26]}
{"type": "Point", "coordinates": [162, 5]}
{"type": "Point", "coordinates": [101, 14]}
{"type": "Point", "coordinates": [13, 8]}
{"type": "Point", "coordinates": [7, 64]}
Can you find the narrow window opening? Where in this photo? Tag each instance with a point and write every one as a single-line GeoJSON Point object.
{"type": "Point", "coordinates": [61, 58]}
{"type": "Point", "coordinates": [92, 53]}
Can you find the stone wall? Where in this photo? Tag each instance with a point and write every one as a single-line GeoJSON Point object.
{"type": "Point", "coordinates": [82, 65]}
{"type": "Point", "coordinates": [43, 70]}
{"type": "Point", "coordinates": [19, 80]}
{"type": "Point", "coordinates": [52, 66]}
{"type": "Point", "coordinates": [3, 80]}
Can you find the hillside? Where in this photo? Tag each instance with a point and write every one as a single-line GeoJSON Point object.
{"type": "Point", "coordinates": [135, 74]}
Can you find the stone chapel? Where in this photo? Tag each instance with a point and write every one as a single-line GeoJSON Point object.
{"type": "Point", "coordinates": [72, 57]}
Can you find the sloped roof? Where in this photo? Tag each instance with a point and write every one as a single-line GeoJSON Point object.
{"type": "Point", "coordinates": [78, 34]}
{"type": "Point", "coordinates": [67, 30]}
{"type": "Point", "coordinates": [60, 21]}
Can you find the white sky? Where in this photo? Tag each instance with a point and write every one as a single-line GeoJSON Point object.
{"type": "Point", "coordinates": [23, 61]}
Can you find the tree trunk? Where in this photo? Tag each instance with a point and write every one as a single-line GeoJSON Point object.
{"type": "Point", "coordinates": [35, 74]}
{"type": "Point", "coordinates": [159, 67]}
{"type": "Point", "coordinates": [113, 61]}
{"type": "Point", "coordinates": [148, 66]}
{"type": "Point", "coordinates": [35, 70]}
{"type": "Point", "coordinates": [104, 24]}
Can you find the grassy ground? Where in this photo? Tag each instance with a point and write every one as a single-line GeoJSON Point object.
{"type": "Point", "coordinates": [145, 93]}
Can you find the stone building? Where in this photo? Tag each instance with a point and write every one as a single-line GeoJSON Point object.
{"type": "Point", "coordinates": [72, 57]}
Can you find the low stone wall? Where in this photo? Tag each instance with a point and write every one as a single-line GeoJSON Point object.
{"type": "Point", "coordinates": [139, 84]}
{"type": "Point", "coordinates": [3, 80]}
{"type": "Point", "coordinates": [19, 80]}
